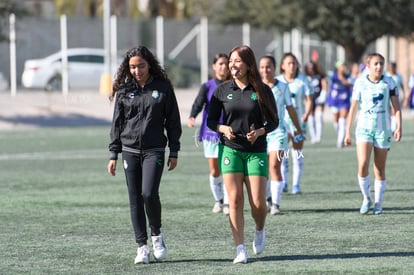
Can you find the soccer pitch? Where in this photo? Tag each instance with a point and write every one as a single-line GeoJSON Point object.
{"type": "Point", "coordinates": [61, 213]}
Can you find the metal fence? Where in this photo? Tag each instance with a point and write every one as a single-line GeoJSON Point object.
{"type": "Point", "coordinates": [39, 37]}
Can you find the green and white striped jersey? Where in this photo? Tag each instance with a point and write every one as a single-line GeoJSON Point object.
{"type": "Point", "coordinates": [374, 102]}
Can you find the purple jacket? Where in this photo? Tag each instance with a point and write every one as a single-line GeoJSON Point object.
{"type": "Point", "coordinates": [203, 100]}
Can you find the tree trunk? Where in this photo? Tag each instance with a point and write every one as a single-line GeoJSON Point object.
{"type": "Point", "coordinates": [354, 53]}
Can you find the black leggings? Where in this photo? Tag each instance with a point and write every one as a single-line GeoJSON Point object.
{"type": "Point", "coordinates": [143, 175]}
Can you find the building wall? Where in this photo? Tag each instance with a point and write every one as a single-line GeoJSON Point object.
{"type": "Point", "coordinates": [405, 58]}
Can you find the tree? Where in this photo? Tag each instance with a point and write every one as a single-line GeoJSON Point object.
{"type": "Point", "coordinates": [7, 7]}
{"type": "Point", "coordinates": [353, 24]}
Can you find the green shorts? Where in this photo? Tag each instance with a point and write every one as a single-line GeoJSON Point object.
{"type": "Point", "coordinates": [247, 163]}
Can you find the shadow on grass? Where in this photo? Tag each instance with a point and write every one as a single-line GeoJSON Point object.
{"type": "Point", "coordinates": [334, 256]}
{"type": "Point", "coordinates": [207, 261]}
{"type": "Point", "coordinates": [340, 210]}
{"type": "Point", "coordinates": [356, 191]}
{"type": "Point", "coordinates": [399, 190]}
{"type": "Point", "coordinates": [55, 120]}
{"type": "Point", "coordinates": [301, 257]}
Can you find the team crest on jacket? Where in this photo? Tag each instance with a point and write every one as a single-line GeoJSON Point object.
{"type": "Point", "coordinates": [253, 96]}
{"type": "Point", "coordinates": [155, 94]}
{"type": "Point", "coordinates": [131, 95]}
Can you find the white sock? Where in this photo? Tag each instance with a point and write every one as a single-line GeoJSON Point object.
{"type": "Point", "coordinates": [311, 126]}
{"type": "Point", "coordinates": [341, 132]}
{"type": "Point", "coordinates": [268, 191]}
{"type": "Point", "coordinates": [364, 186]}
{"type": "Point", "coordinates": [216, 186]}
{"type": "Point", "coordinates": [335, 125]}
{"type": "Point", "coordinates": [379, 188]}
{"type": "Point", "coordinates": [298, 161]}
{"type": "Point", "coordinates": [276, 188]}
{"type": "Point", "coordinates": [284, 168]}
{"type": "Point", "coordinates": [318, 125]}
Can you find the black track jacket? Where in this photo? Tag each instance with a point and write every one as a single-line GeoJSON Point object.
{"type": "Point", "coordinates": [141, 115]}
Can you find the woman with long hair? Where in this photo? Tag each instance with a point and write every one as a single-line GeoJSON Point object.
{"type": "Point", "coordinates": [145, 108]}
{"type": "Point", "coordinates": [249, 113]}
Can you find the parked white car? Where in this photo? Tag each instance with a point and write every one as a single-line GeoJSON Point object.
{"type": "Point", "coordinates": [85, 68]}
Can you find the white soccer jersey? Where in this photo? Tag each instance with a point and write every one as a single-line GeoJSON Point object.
{"type": "Point", "coordinates": [374, 102]}
{"type": "Point", "coordinates": [411, 82]}
{"type": "Point", "coordinates": [282, 97]}
{"type": "Point", "coordinates": [298, 89]}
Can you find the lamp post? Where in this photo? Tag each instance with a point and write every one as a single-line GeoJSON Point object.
{"type": "Point", "coordinates": [106, 79]}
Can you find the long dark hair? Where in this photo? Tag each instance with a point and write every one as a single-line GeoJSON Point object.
{"type": "Point", "coordinates": [286, 55]}
{"type": "Point", "coordinates": [123, 74]}
{"type": "Point", "coordinates": [222, 55]}
{"type": "Point", "coordinates": [266, 102]}
{"type": "Point", "coordinates": [316, 67]}
{"type": "Point", "coordinates": [271, 59]}
{"type": "Point", "coordinates": [218, 56]}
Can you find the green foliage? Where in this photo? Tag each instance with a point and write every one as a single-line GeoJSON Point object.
{"type": "Point", "coordinates": [65, 7]}
{"type": "Point", "coordinates": [8, 7]}
{"type": "Point", "coordinates": [354, 24]}
{"type": "Point", "coordinates": [62, 214]}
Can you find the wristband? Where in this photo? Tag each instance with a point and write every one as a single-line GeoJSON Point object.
{"type": "Point", "coordinates": [299, 138]}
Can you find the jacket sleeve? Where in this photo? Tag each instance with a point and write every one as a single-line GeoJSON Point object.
{"type": "Point", "coordinates": [199, 101]}
{"type": "Point", "coordinates": [115, 145]}
{"type": "Point", "coordinates": [172, 123]}
{"type": "Point", "coordinates": [214, 112]}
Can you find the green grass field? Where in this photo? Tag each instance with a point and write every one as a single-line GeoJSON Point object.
{"type": "Point", "coordinates": [60, 213]}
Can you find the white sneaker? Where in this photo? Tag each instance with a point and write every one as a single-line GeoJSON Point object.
{"type": "Point", "coordinates": [226, 209]}
{"type": "Point", "coordinates": [217, 208]}
{"type": "Point", "coordinates": [377, 209]}
{"type": "Point", "coordinates": [160, 251]}
{"type": "Point", "coordinates": [259, 241]}
{"type": "Point", "coordinates": [143, 255]}
{"type": "Point", "coordinates": [274, 209]}
{"type": "Point", "coordinates": [268, 205]}
{"type": "Point", "coordinates": [241, 255]}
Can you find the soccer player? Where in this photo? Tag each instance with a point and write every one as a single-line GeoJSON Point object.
{"type": "Point", "coordinates": [211, 138]}
{"type": "Point", "coordinates": [339, 100]}
{"type": "Point", "coordinates": [302, 102]}
{"type": "Point", "coordinates": [319, 85]}
{"type": "Point", "coordinates": [409, 99]}
{"type": "Point", "coordinates": [372, 95]}
{"type": "Point", "coordinates": [277, 141]}
{"type": "Point", "coordinates": [248, 109]}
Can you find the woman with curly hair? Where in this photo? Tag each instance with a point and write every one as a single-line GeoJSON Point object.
{"type": "Point", "coordinates": [145, 108]}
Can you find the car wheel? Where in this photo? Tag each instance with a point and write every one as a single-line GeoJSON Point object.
{"type": "Point", "coordinates": [54, 84]}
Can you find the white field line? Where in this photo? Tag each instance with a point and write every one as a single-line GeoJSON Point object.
{"type": "Point", "coordinates": [69, 155]}
{"type": "Point", "coordinates": [100, 154]}
{"type": "Point", "coordinates": [103, 154]}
